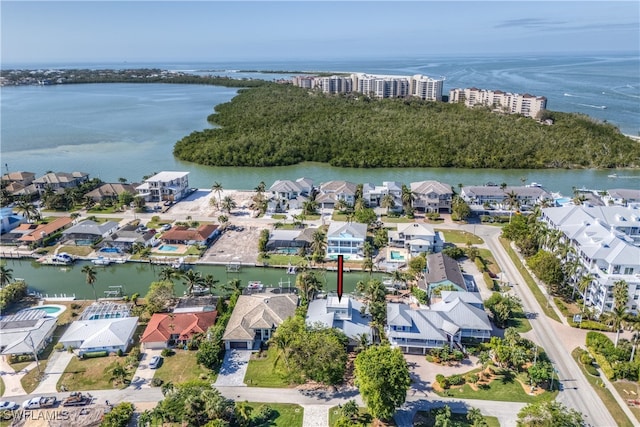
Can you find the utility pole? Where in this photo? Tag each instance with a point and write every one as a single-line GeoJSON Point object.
{"type": "Point", "coordinates": [35, 353]}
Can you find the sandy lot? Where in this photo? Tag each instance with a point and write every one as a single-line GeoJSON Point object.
{"type": "Point", "coordinates": [239, 245]}
{"type": "Point", "coordinates": [198, 204]}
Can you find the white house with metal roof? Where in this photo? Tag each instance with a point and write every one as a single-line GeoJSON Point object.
{"type": "Point", "coordinates": [606, 240]}
{"type": "Point", "coordinates": [27, 331]}
{"type": "Point", "coordinates": [346, 238]}
{"type": "Point", "coordinates": [108, 335]}
{"type": "Point", "coordinates": [416, 237]}
{"type": "Point", "coordinates": [165, 186]}
{"type": "Point", "coordinates": [344, 314]}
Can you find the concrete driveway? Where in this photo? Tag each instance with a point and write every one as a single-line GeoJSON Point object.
{"type": "Point", "coordinates": [143, 375]}
{"type": "Point", "coordinates": [234, 368]}
{"type": "Point", "coordinates": [58, 362]}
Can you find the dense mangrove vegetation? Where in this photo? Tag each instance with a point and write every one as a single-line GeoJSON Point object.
{"type": "Point", "coordinates": [278, 124]}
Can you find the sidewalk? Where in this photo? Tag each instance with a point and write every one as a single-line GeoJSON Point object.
{"type": "Point", "coordinates": [11, 378]}
{"type": "Point", "coordinates": [58, 362]}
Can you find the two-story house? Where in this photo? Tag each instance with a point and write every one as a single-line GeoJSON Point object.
{"type": "Point", "coordinates": [58, 181]}
{"type": "Point", "coordinates": [332, 191]}
{"type": "Point", "coordinates": [373, 194]}
{"type": "Point", "coordinates": [432, 196]}
{"type": "Point", "coordinates": [344, 314]}
{"type": "Point", "coordinates": [165, 186]}
{"type": "Point", "coordinates": [416, 237]}
{"type": "Point", "coordinates": [286, 194]}
{"type": "Point", "coordinates": [346, 238]}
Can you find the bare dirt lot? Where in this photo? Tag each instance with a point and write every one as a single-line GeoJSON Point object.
{"type": "Point", "coordinates": [236, 244]}
{"type": "Point", "coordinates": [198, 204]}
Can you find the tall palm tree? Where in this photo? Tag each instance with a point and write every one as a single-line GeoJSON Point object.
{"type": "Point", "coordinates": [583, 286]}
{"type": "Point", "coordinates": [387, 202]}
{"type": "Point", "coordinates": [407, 197]}
{"type": "Point", "coordinates": [217, 188]}
{"type": "Point", "coordinates": [318, 242]}
{"type": "Point", "coordinates": [169, 274]}
{"type": "Point", "coordinates": [210, 281]}
{"type": "Point", "coordinates": [90, 276]}
{"type": "Point", "coordinates": [261, 187]}
{"type": "Point", "coordinates": [512, 200]}
{"type": "Point", "coordinates": [191, 279]}
{"type": "Point", "coordinates": [310, 207]}
{"type": "Point", "coordinates": [234, 285]}
{"type": "Point", "coordinates": [308, 283]}
{"type": "Point", "coordinates": [228, 204]}
{"type": "Point", "coordinates": [6, 275]}
{"type": "Point", "coordinates": [27, 209]}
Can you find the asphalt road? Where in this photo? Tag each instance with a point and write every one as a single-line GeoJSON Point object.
{"type": "Point", "coordinates": [575, 391]}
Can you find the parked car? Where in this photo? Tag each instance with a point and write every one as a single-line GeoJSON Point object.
{"type": "Point", "coordinates": [6, 405]}
{"type": "Point", "coordinates": [166, 227]}
{"type": "Point", "coordinates": [155, 362]}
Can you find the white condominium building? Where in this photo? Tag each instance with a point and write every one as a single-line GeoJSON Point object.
{"type": "Point", "coordinates": [425, 87]}
{"type": "Point", "coordinates": [513, 103]}
{"type": "Point", "coordinates": [604, 241]}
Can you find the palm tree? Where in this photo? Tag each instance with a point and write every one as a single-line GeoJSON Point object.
{"type": "Point", "coordinates": [217, 188]}
{"type": "Point", "coordinates": [210, 281]}
{"type": "Point", "coordinates": [261, 187]}
{"type": "Point", "coordinates": [191, 279]}
{"type": "Point", "coordinates": [309, 284]}
{"type": "Point", "coordinates": [583, 286]}
{"type": "Point", "coordinates": [341, 205]}
{"type": "Point", "coordinates": [387, 202]}
{"type": "Point", "coordinates": [168, 274]}
{"type": "Point", "coordinates": [310, 207]}
{"type": "Point", "coordinates": [6, 275]}
{"type": "Point", "coordinates": [359, 204]}
{"type": "Point", "coordinates": [228, 204]}
{"type": "Point", "coordinates": [474, 415]}
{"type": "Point", "coordinates": [318, 242]}
{"type": "Point", "coordinates": [90, 276]}
{"type": "Point", "coordinates": [407, 197]}
{"type": "Point", "coordinates": [28, 210]}
{"type": "Point", "coordinates": [234, 285]}
{"type": "Point", "coordinates": [512, 200]}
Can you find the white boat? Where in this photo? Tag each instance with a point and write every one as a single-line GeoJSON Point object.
{"type": "Point", "coordinates": [292, 269]}
{"type": "Point", "coordinates": [179, 264]}
{"type": "Point", "coordinates": [255, 285]}
{"type": "Point", "coordinates": [101, 261]}
{"type": "Point", "coordinates": [613, 175]}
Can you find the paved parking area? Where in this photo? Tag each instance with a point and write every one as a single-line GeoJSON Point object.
{"type": "Point", "coordinates": [234, 368]}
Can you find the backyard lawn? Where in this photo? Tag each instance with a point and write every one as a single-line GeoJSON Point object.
{"type": "Point", "coordinates": [32, 379]}
{"type": "Point", "coordinates": [287, 414]}
{"type": "Point", "coordinates": [261, 371]}
{"type": "Point", "coordinates": [181, 367]}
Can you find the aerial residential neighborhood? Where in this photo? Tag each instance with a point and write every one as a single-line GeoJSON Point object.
{"type": "Point", "coordinates": [434, 291]}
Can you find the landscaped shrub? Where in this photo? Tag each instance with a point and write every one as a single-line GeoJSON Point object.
{"type": "Point", "coordinates": [58, 346]}
{"type": "Point", "coordinates": [605, 366]}
{"type": "Point", "coordinates": [589, 324]}
{"type": "Point", "coordinates": [442, 381]}
{"type": "Point", "coordinates": [262, 415]}
{"type": "Point", "coordinates": [166, 352]}
{"type": "Point", "coordinates": [119, 353]}
{"type": "Point", "coordinates": [156, 382]}
{"type": "Point", "coordinates": [92, 354]}
{"type": "Point", "coordinates": [472, 378]}
{"type": "Point", "coordinates": [456, 379]}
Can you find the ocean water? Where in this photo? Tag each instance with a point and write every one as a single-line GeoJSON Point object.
{"type": "Point", "coordinates": [128, 130]}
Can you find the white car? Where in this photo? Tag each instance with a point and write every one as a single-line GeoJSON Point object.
{"type": "Point", "coordinates": [166, 227]}
{"type": "Point", "coordinates": [155, 362]}
{"type": "Point", "coordinates": [6, 405]}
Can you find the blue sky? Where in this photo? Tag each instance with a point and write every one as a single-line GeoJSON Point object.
{"type": "Point", "coordinates": [88, 31]}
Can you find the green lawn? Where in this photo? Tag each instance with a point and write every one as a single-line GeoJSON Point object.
{"type": "Point", "coordinates": [502, 388]}
{"type": "Point", "coordinates": [397, 219]}
{"type": "Point", "coordinates": [76, 250]}
{"type": "Point", "coordinates": [287, 414]}
{"type": "Point", "coordinates": [489, 260]}
{"type": "Point", "coordinates": [281, 259]}
{"type": "Point", "coordinates": [605, 395]}
{"type": "Point", "coordinates": [519, 321]}
{"type": "Point", "coordinates": [1, 387]}
{"type": "Point", "coordinates": [544, 304]}
{"type": "Point", "coordinates": [279, 216]}
{"type": "Point", "coordinates": [261, 372]}
{"type": "Point", "coordinates": [89, 374]}
{"type": "Point", "coordinates": [629, 386]}
{"type": "Point", "coordinates": [459, 236]}
{"type": "Point", "coordinates": [32, 379]}
{"type": "Point", "coordinates": [181, 367]}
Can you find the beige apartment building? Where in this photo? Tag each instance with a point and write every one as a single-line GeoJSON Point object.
{"type": "Point", "coordinates": [512, 103]}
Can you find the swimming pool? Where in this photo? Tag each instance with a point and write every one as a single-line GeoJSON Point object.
{"type": "Point", "coordinates": [396, 256]}
{"type": "Point", "coordinates": [51, 310]}
{"type": "Point", "coordinates": [167, 248]}
{"type": "Point", "coordinates": [110, 250]}
{"type": "Point", "coordinates": [562, 201]}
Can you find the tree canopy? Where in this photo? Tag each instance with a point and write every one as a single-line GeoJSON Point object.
{"type": "Point", "coordinates": [382, 376]}
{"type": "Point", "coordinates": [275, 125]}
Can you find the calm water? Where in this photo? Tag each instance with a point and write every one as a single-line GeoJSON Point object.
{"type": "Point", "coordinates": [136, 277]}
{"type": "Point", "coordinates": [128, 130]}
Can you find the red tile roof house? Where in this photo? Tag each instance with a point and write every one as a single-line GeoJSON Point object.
{"type": "Point", "coordinates": [190, 236]}
{"type": "Point", "coordinates": [174, 329]}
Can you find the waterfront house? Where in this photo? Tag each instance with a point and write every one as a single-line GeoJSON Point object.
{"type": "Point", "coordinates": [287, 194]}
{"type": "Point", "coordinates": [19, 183]}
{"type": "Point", "coordinates": [58, 181]}
{"type": "Point", "coordinates": [127, 236]}
{"type": "Point", "coordinates": [88, 232]}
{"type": "Point", "coordinates": [165, 186]}
{"type": "Point", "coordinates": [175, 329]}
{"type": "Point", "coordinates": [332, 191]}
{"type": "Point", "coordinates": [345, 314]}
{"type": "Point", "coordinates": [416, 237]}
{"type": "Point", "coordinates": [472, 298]}
{"type": "Point", "coordinates": [181, 234]}
{"type": "Point", "coordinates": [442, 271]}
{"type": "Point", "coordinates": [432, 196]}
{"type": "Point", "coordinates": [255, 318]}
{"type": "Point", "coordinates": [34, 234]}
{"type": "Point", "coordinates": [449, 323]}
{"type": "Point", "coordinates": [110, 334]}
{"type": "Point", "coordinates": [373, 194]}
{"type": "Point", "coordinates": [622, 197]}
{"type": "Point", "coordinates": [498, 197]}
{"type": "Point", "coordinates": [290, 241]}
{"type": "Point", "coordinates": [25, 332]}
{"type": "Point", "coordinates": [111, 191]}
{"type": "Point", "coordinates": [346, 238]}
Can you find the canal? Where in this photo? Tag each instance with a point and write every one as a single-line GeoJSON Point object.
{"type": "Point", "coordinates": [136, 277]}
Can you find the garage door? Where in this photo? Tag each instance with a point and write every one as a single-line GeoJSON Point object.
{"type": "Point", "coordinates": [239, 345]}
